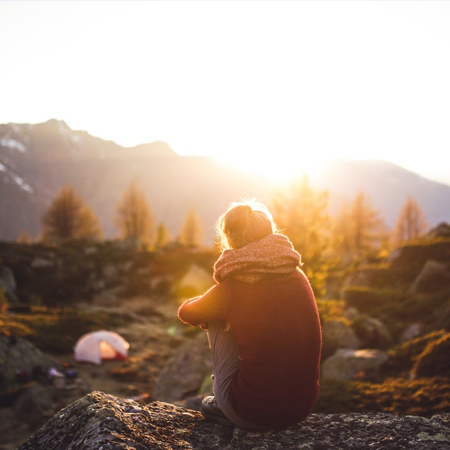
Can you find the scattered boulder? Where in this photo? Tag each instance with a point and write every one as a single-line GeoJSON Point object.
{"type": "Point", "coordinates": [91, 250]}
{"type": "Point", "coordinates": [195, 282]}
{"type": "Point", "coordinates": [101, 421]}
{"type": "Point", "coordinates": [394, 255]}
{"type": "Point", "coordinates": [440, 231]}
{"type": "Point", "coordinates": [367, 275]}
{"type": "Point", "coordinates": [8, 283]}
{"type": "Point", "coordinates": [110, 272]}
{"type": "Point", "coordinates": [442, 316]}
{"type": "Point", "coordinates": [186, 371]}
{"type": "Point", "coordinates": [21, 362]}
{"type": "Point", "coordinates": [372, 332]}
{"type": "Point", "coordinates": [35, 405]}
{"type": "Point", "coordinates": [42, 263]}
{"type": "Point", "coordinates": [347, 364]}
{"type": "Point", "coordinates": [336, 334]}
{"type": "Point", "coordinates": [411, 332]}
{"type": "Point", "coordinates": [351, 314]}
{"type": "Point", "coordinates": [406, 262]}
{"type": "Point", "coordinates": [433, 277]}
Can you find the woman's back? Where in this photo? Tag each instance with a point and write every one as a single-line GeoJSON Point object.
{"type": "Point", "coordinates": [276, 326]}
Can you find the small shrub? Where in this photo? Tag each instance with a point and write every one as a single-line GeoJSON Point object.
{"type": "Point", "coordinates": [10, 327]}
{"type": "Point", "coordinates": [330, 310]}
{"type": "Point", "coordinates": [403, 357]}
{"type": "Point", "coordinates": [3, 301]}
{"type": "Point", "coordinates": [434, 359]}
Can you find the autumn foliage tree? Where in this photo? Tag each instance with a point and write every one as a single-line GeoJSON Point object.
{"type": "Point", "coordinates": [411, 223]}
{"type": "Point", "coordinates": [358, 229]}
{"type": "Point", "coordinates": [134, 218]}
{"type": "Point", "coordinates": [367, 226]}
{"type": "Point", "coordinates": [301, 213]}
{"type": "Point", "coordinates": [68, 217]}
{"type": "Point", "coordinates": [162, 236]}
{"type": "Point", "coordinates": [191, 233]}
{"type": "Point", "coordinates": [24, 238]}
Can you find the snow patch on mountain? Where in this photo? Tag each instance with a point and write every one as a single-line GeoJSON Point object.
{"type": "Point", "coordinates": [13, 144]}
{"type": "Point", "coordinates": [76, 139]}
{"type": "Point", "coordinates": [24, 186]}
{"type": "Point", "coordinates": [14, 177]}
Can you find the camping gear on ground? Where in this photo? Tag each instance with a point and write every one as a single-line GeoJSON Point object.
{"type": "Point", "coordinates": [98, 346]}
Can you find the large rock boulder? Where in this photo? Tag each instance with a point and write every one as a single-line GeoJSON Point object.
{"type": "Point", "coordinates": [347, 364]}
{"type": "Point", "coordinates": [366, 275]}
{"type": "Point", "coordinates": [186, 371]}
{"type": "Point", "coordinates": [100, 421]}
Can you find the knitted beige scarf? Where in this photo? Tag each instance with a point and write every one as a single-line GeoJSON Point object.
{"type": "Point", "coordinates": [272, 255]}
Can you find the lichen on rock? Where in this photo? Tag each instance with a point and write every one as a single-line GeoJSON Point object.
{"type": "Point", "coordinates": [101, 421]}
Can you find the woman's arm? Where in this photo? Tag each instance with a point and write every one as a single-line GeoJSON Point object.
{"type": "Point", "coordinates": [210, 307]}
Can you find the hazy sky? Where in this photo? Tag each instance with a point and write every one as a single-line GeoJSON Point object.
{"type": "Point", "coordinates": [273, 85]}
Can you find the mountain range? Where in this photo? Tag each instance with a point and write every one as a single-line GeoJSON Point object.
{"type": "Point", "coordinates": [37, 160]}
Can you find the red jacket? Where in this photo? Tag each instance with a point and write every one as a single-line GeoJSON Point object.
{"type": "Point", "coordinates": [276, 325]}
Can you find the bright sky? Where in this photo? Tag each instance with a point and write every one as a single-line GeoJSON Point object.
{"type": "Point", "coordinates": [275, 85]}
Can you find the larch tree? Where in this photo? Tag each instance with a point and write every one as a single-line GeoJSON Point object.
{"type": "Point", "coordinates": [411, 223]}
{"type": "Point", "coordinates": [24, 238]}
{"type": "Point", "coordinates": [134, 218]}
{"type": "Point", "coordinates": [341, 234]}
{"type": "Point", "coordinates": [367, 229]}
{"type": "Point", "coordinates": [301, 213]}
{"type": "Point", "coordinates": [162, 236]}
{"type": "Point", "coordinates": [68, 217]}
{"type": "Point", "coordinates": [191, 232]}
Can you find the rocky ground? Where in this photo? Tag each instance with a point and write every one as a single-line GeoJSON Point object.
{"type": "Point", "coordinates": [152, 343]}
{"type": "Point", "coordinates": [385, 350]}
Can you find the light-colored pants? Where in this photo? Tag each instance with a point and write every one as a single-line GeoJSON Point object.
{"type": "Point", "coordinates": [225, 360]}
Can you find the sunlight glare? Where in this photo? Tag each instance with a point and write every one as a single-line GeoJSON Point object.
{"type": "Point", "coordinates": [274, 167]}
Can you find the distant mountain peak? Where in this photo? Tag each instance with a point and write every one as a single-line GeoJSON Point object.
{"type": "Point", "coordinates": [158, 149]}
{"type": "Point", "coordinates": [58, 125]}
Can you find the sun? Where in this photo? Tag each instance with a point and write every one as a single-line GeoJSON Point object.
{"type": "Point", "coordinates": [276, 168]}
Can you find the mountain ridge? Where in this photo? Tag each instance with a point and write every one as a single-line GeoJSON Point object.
{"type": "Point", "coordinates": [37, 160]}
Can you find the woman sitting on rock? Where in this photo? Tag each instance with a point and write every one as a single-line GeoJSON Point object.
{"type": "Point", "coordinates": [263, 326]}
